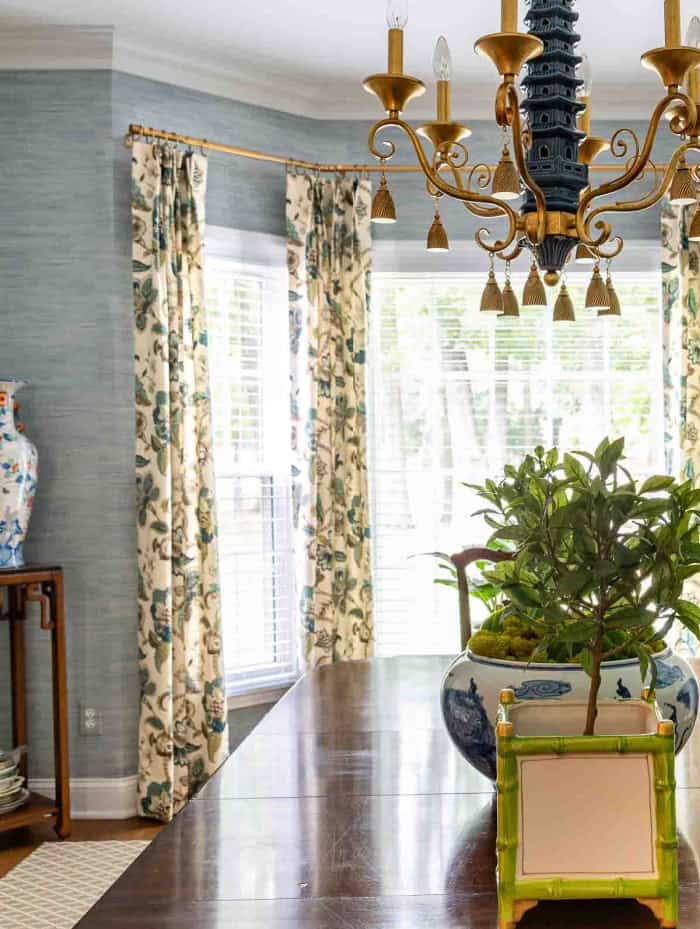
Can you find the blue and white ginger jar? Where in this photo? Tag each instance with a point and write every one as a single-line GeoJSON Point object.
{"type": "Point", "coordinates": [18, 478]}
{"type": "Point", "coordinates": [472, 684]}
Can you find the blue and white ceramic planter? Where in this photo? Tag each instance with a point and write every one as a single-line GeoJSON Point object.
{"type": "Point", "coordinates": [18, 478]}
{"type": "Point", "coordinates": [472, 684]}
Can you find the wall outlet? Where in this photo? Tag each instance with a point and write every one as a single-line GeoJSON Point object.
{"type": "Point", "coordinates": [90, 720]}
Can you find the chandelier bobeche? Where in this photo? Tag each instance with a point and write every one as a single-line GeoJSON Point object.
{"type": "Point", "coordinates": [549, 133]}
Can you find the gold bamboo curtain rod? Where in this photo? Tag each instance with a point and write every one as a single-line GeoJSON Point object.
{"type": "Point", "coordinates": [147, 132]}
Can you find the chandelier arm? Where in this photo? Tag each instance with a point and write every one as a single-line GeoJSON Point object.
{"type": "Point", "coordinates": [639, 165]}
{"type": "Point", "coordinates": [651, 198]}
{"type": "Point", "coordinates": [519, 150]}
{"type": "Point", "coordinates": [513, 255]}
{"type": "Point", "coordinates": [619, 148]}
{"type": "Point", "coordinates": [457, 193]}
{"type": "Point", "coordinates": [484, 212]}
{"type": "Point", "coordinates": [615, 251]}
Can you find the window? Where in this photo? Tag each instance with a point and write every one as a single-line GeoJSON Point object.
{"type": "Point", "coordinates": [455, 396]}
{"type": "Point", "coordinates": [250, 407]}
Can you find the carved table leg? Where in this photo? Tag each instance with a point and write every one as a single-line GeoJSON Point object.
{"type": "Point", "coordinates": [60, 705]}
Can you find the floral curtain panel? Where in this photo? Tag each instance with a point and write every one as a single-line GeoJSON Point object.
{"type": "Point", "coordinates": [681, 356]}
{"type": "Point", "coordinates": [681, 342]}
{"type": "Point", "coordinates": [182, 735]}
{"type": "Point", "coordinates": [329, 259]}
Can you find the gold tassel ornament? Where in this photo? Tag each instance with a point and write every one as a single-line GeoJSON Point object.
{"type": "Point", "coordinates": [534, 293]}
{"type": "Point", "coordinates": [506, 180]}
{"type": "Point", "coordinates": [614, 309]}
{"type": "Point", "coordinates": [492, 298]}
{"type": "Point", "coordinates": [564, 307]}
{"type": "Point", "coordinates": [597, 297]}
{"type": "Point", "coordinates": [383, 206]}
{"type": "Point", "coordinates": [437, 236]}
{"type": "Point", "coordinates": [683, 189]}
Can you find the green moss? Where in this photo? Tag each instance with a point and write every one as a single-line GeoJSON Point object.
{"type": "Point", "coordinates": [514, 640]}
{"type": "Point", "coordinates": [521, 647]}
{"type": "Point", "coordinates": [490, 644]}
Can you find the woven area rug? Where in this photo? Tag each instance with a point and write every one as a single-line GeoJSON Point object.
{"type": "Point", "coordinates": [59, 882]}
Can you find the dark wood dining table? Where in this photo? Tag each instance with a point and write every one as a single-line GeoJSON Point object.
{"type": "Point", "coordinates": [349, 808]}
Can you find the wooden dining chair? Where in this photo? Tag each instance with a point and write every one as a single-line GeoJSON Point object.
{"type": "Point", "coordinates": [461, 561]}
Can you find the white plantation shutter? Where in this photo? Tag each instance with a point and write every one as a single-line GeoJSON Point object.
{"type": "Point", "coordinates": [455, 396]}
{"type": "Point", "coordinates": [250, 404]}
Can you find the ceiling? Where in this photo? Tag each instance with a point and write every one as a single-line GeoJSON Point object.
{"type": "Point", "coordinates": [310, 57]}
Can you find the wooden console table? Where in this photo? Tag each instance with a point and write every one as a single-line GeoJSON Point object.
{"type": "Point", "coordinates": [18, 587]}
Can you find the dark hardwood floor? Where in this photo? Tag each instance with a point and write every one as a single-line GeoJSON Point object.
{"type": "Point", "coordinates": [348, 808]}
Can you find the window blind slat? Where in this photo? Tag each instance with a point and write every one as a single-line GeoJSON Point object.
{"type": "Point", "coordinates": [250, 412]}
{"type": "Point", "coordinates": [455, 395]}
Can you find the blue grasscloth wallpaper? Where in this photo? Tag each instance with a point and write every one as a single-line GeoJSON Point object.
{"type": "Point", "coordinates": [65, 292]}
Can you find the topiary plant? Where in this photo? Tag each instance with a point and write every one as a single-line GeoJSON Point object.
{"type": "Point", "coordinates": [601, 560]}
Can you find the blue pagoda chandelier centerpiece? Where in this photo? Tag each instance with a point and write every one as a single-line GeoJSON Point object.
{"type": "Point", "coordinates": [548, 131]}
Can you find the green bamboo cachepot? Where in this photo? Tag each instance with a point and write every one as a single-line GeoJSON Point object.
{"type": "Point", "coordinates": [585, 817]}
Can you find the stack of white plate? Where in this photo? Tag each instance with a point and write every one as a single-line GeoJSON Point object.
{"type": "Point", "coordinates": [13, 793]}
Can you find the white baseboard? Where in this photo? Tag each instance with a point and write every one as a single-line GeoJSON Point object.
{"type": "Point", "coordinates": [96, 797]}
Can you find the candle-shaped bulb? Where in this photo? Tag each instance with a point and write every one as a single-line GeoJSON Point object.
{"type": "Point", "coordinates": [585, 74]}
{"type": "Point", "coordinates": [692, 38]}
{"type": "Point", "coordinates": [397, 14]}
{"type": "Point", "coordinates": [442, 60]}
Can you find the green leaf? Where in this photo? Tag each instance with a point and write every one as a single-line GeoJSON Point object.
{"type": "Point", "coordinates": [626, 557]}
{"type": "Point", "coordinates": [578, 632]}
{"type": "Point", "coordinates": [574, 469]}
{"type": "Point", "coordinates": [657, 482]}
{"type": "Point", "coordinates": [553, 613]}
{"type": "Point", "coordinates": [541, 651]}
{"type": "Point", "coordinates": [604, 570]}
{"type": "Point", "coordinates": [630, 616]}
{"type": "Point", "coordinates": [526, 597]}
{"type": "Point", "coordinates": [690, 609]}
{"type": "Point", "coordinates": [574, 581]}
{"type": "Point", "coordinates": [601, 448]}
{"type": "Point", "coordinates": [651, 507]}
{"type": "Point", "coordinates": [643, 656]}
{"type": "Point", "coordinates": [586, 659]}
{"type": "Point", "coordinates": [691, 550]}
{"type": "Point", "coordinates": [610, 457]}
{"type": "Point", "coordinates": [653, 668]}
{"type": "Point", "coordinates": [565, 515]}
{"type": "Point", "coordinates": [689, 615]}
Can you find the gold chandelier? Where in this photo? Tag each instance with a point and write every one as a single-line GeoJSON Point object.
{"type": "Point", "coordinates": [548, 130]}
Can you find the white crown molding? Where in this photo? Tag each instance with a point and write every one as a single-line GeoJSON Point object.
{"type": "Point", "coordinates": [96, 797]}
{"type": "Point", "coordinates": [57, 48]}
{"type": "Point", "coordinates": [339, 99]}
{"type": "Point", "coordinates": [259, 87]}
{"type": "Point", "coordinates": [100, 48]}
